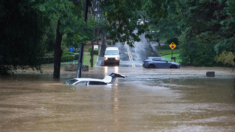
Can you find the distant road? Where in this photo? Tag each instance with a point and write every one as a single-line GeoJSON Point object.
{"type": "Point", "coordinates": [131, 56]}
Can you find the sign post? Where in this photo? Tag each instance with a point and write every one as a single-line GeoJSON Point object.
{"type": "Point", "coordinates": [172, 46]}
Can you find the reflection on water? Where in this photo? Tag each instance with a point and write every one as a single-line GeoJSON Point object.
{"type": "Point", "coordinates": [147, 100]}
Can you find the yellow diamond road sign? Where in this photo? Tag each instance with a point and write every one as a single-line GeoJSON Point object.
{"type": "Point", "coordinates": [172, 45]}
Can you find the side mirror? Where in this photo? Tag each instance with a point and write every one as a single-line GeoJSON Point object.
{"type": "Point", "coordinates": [119, 53]}
{"type": "Point", "coordinates": [166, 61]}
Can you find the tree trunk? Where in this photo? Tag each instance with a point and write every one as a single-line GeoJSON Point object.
{"type": "Point", "coordinates": [57, 52]}
{"type": "Point", "coordinates": [92, 52]}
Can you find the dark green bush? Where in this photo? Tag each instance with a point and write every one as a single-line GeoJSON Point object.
{"type": "Point", "coordinates": [63, 59]}
{"type": "Point", "coordinates": [95, 51]}
{"type": "Point", "coordinates": [76, 56]}
{"type": "Point", "coordinates": [68, 53]}
{"type": "Point", "coordinates": [67, 58]}
{"type": "Point", "coordinates": [89, 49]}
{"type": "Point", "coordinates": [47, 60]}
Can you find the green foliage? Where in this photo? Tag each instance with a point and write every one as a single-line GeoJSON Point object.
{"type": "Point", "coordinates": [22, 27]}
{"type": "Point", "coordinates": [47, 60]}
{"type": "Point", "coordinates": [226, 58]}
{"type": "Point", "coordinates": [71, 29]}
{"type": "Point", "coordinates": [95, 51]}
{"type": "Point", "coordinates": [67, 58]}
{"type": "Point", "coordinates": [68, 53]}
{"type": "Point", "coordinates": [48, 40]}
{"type": "Point", "coordinates": [76, 56]}
{"type": "Point", "coordinates": [203, 28]}
{"type": "Point", "coordinates": [72, 24]}
{"type": "Point", "coordinates": [175, 40]}
{"type": "Point", "coordinates": [196, 52]}
{"type": "Point", "coordinates": [227, 41]}
{"type": "Point", "coordinates": [122, 17]}
{"type": "Point", "coordinates": [168, 57]}
{"type": "Point", "coordinates": [64, 58]}
{"type": "Point", "coordinates": [166, 51]}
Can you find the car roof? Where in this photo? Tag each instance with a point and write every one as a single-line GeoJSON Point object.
{"type": "Point", "coordinates": [106, 79]}
{"type": "Point", "coordinates": [112, 48]}
{"type": "Point", "coordinates": [154, 57]}
{"type": "Point", "coordinates": [88, 79]}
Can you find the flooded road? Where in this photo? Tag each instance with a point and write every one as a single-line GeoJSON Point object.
{"type": "Point", "coordinates": [148, 100]}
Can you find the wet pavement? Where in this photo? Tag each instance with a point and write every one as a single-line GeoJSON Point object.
{"type": "Point", "coordinates": [131, 56]}
{"type": "Point", "coordinates": [148, 100]}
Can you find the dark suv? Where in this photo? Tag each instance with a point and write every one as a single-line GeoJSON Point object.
{"type": "Point", "coordinates": [159, 62]}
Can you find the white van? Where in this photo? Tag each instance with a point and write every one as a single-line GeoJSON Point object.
{"type": "Point", "coordinates": [111, 56]}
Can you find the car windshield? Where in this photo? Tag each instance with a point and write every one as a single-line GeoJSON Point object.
{"type": "Point", "coordinates": [70, 81]}
{"type": "Point", "coordinates": [163, 59]}
{"type": "Point", "coordinates": [159, 59]}
{"type": "Point", "coordinates": [111, 52]}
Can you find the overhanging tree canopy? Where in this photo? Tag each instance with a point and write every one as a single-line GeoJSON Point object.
{"type": "Point", "coordinates": [22, 27]}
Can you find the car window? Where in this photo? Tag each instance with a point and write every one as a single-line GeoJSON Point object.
{"type": "Point", "coordinates": [83, 83]}
{"type": "Point", "coordinates": [111, 52]}
{"type": "Point", "coordinates": [163, 59]}
{"type": "Point", "coordinates": [97, 83]}
{"type": "Point", "coordinates": [156, 59]}
{"type": "Point", "coordinates": [70, 81]}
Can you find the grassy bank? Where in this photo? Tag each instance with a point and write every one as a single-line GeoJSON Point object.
{"type": "Point", "coordinates": [168, 57]}
{"type": "Point", "coordinates": [166, 53]}
{"type": "Point", "coordinates": [86, 61]}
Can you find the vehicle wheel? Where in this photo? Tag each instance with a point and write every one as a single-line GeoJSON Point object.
{"type": "Point", "coordinates": [151, 66]}
{"type": "Point", "coordinates": [173, 66]}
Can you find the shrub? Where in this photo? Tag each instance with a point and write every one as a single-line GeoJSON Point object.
{"type": "Point", "coordinates": [47, 60]}
{"type": "Point", "coordinates": [67, 58]}
{"type": "Point", "coordinates": [76, 56]}
{"type": "Point", "coordinates": [95, 51]}
{"type": "Point", "coordinates": [68, 53]}
{"type": "Point", "coordinates": [64, 58]}
{"type": "Point", "coordinates": [226, 58]}
{"type": "Point", "coordinates": [89, 49]}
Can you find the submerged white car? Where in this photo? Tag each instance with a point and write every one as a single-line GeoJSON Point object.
{"type": "Point", "coordinates": [91, 81]}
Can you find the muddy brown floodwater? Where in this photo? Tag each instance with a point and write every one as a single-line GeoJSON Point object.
{"type": "Point", "coordinates": [148, 100]}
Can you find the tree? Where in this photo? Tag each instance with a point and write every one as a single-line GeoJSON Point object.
{"type": "Point", "coordinates": [200, 24]}
{"type": "Point", "coordinates": [70, 22]}
{"type": "Point", "coordinates": [22, 27]}
{"type": "Point", "coordinates": [122, 17]}
{"type": "Point", "coordinates": [227, 41]}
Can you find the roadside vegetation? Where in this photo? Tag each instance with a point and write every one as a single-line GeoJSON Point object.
{"type": "Point", "coordinates": [86, 60]}
{"type": "Point", "coordinates": [202, 30]}
{"type": "Point", "coordinates": [166, 52]}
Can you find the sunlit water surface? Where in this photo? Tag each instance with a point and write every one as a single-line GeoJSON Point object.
{"type": "Point", "coordinates": [148, 100]}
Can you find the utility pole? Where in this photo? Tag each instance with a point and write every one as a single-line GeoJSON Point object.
{"type": "Point", "coordinates": [92, 50]}
{"type": "Point", "coordinates": [98, 10]}
{"type": "Point", "coordinates": [92, 41]}
{"type": "Point", "coordinates": [79, 69]}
